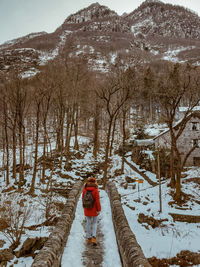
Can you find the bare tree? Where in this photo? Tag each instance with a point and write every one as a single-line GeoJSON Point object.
{"type": "Point", "coordinates": [114, 97]}
{"type": "Point", "coordinates": [38, 95]}
{"type": "Point", "coordinates": [177, 85]}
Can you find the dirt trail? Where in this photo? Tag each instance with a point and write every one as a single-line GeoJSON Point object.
{"type": "Point", "coordinates": [93, 255]}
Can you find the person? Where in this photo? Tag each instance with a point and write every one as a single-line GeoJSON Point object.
{"type": "Point", "coordinates": [92, 213]}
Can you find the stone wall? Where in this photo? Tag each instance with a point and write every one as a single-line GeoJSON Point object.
{"type": "Point", "coordinates": [51, 253]}
{"type": "Point", "coordinates": [130, 251]}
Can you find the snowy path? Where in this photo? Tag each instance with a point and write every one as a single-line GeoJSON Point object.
{"type": "Point", "coordinates": [76, 250]}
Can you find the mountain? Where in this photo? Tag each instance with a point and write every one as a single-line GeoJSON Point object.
{"type": "Point", "coordinates": [154, 31]}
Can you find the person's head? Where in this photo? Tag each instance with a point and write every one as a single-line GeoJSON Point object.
{"type": "Point", "coordinates": [92, 180]}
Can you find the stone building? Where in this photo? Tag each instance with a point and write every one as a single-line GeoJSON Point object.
{"type": "Point", "coordinates": [189, 138]}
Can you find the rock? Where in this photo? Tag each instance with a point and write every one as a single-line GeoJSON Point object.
{"type": "Point", "coordinates": [118, 172]}
{"type": "Point", "coordinates": [11, 188]}
{"type": "Point", "coordinates": [30, 246]}
{"type": "Point", "coordinates": [2, 242]}
{"type": "Point", "coordinates": [3, 225]}
{"type": "Point", "coordinates": [141, 218]}
{"type": "Point", "coordinates": [125, 186]}
{"type": "Point", "coordinates": [78, 155]}
{"type": "Point", "coordinates": [6, 255]}
{"type": "Point", "coordinates": [149, 220]}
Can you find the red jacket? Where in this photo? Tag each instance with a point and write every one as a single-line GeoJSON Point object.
{"type": "Point", "coordinates": [95, 192]}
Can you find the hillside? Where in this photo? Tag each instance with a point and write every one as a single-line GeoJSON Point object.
{"type": "Point", "coordinates": [154, 31]}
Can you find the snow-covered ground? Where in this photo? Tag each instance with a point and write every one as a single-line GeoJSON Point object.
{"type": "Point", "coordinates": [172, 54]}
{"type": "Point", "coordinates": [172, 237]}
{"type": "Point", "coordinates": [163, 242]}
{"type": "Point", "coordinates": [76, 242]}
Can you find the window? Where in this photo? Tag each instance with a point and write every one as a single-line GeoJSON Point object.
{"type": "Point", "coordinates": [195, 142]}
{"type": "Point", "coordinates": [196, 161]}
{"type": "Point", "coordinates": [194, 126]}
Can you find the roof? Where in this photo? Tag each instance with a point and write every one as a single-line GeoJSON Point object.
{"type": "Point", "coordinates": [144, 142]}
{"type": "Point", "coordinates": [176, 125]}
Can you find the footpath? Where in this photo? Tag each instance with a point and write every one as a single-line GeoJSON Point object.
{"type": "Point", "coordinates": [78, 253]}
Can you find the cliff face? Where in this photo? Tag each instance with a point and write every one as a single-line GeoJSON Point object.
{"type": "Point", "coordinates": [155, 17]}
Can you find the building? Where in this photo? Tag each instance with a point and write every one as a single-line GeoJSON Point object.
{"type": "Point", "coordinates": [190, 137]}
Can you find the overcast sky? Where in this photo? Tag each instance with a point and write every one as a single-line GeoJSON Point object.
{"type": "Point", "coordinates": [21, 17]}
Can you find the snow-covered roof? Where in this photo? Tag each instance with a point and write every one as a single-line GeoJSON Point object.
{"type": "Point", "coordinates": [144, 142]}
{"type": "Point", "coordinates": [184, 109]}
{"type": "Point", "coordinates": [193, 114]}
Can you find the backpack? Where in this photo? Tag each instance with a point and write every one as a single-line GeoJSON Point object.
{"type": "Point", "coordinates": [88, 200]}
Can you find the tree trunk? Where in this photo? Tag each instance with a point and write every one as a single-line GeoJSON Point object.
{"type": "Point", "coordinates": [113, 135]}
{"type": "Point", "coordinates": [68, 132]}
{"type": "Point", "coordinates": [20, 159]}
{"type": "Point", "coordinates": [123, 139]}
{"type": "Point", "coordinates": [76, 123]}
{"type": "Point", "coordinates": [14, 145]}
{"type": "Point", "coordinates": [44, 152]}
{"type": "Point", "coordinates": [32, 189]}
{"type": "Point", "coordinates": [23, 152]}
{"type": "Point", "coordinates": [62, 143]}
{"type": "Point", "coordinates": [173, 181]}
{"type": "Point", "coordinates": [96, 132]}
{"type": "Point", "coordinates": [106, 153]}
{"type": "Point", "coordinates": [7, 145]}
{"type": "Point", "coordinates": [178, 182]}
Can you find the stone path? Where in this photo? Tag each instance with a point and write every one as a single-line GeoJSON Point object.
{"type": "Point", "coordinates": [93, 255]}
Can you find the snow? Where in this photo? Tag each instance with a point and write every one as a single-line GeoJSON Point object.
{"type": "Point", "coordinates": [155, 129]}
{"type": "Point", "coordinates": [132, 29]}
{"type": "Point", "coordinates": [29, 73]}
{"type": "Point", "coordinates": [113, 57]}
{"type": "Point", "coordinates": [155, 52]}
{"type": "Point", "coordinates": [184, 109]}
{"type": "Point", "coordinates": [111, 257]}
{"type": "Point", "coordinates": [75, 243]}
{"type": "Point", "coordinates": [171, 54]}
{"type": "Point", "coordinates": [161, 242]}
{"type": "Point", "coordinates": [45, 56]}
{"type": "Point", "coordinates": [77, 238]}
{"type": "Point", "coordinates": [165, 241]}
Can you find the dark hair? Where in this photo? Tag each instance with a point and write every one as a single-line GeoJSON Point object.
{"type": "Point", "coordinates": [92, 180]}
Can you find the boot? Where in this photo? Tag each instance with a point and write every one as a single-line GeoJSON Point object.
{"type": "Point", "coordinates": [94, 241]}
{"type": "Point", "coordinates": [89, 241]}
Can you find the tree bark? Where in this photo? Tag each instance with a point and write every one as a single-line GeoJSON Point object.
{"type": "Point", "coordinates": [96, 131]}
{"type": "Point", "coordinates": [7, 143]}
{"type": "Point", "coordinates": [123, 139]}
{"type": "Point", "coordinates": [32, 189]}
{"type": "Point", "coordinates": [106, 153]}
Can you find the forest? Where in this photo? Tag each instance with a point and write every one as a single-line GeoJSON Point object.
{"type": "Point", "coordinates": [41, 115]}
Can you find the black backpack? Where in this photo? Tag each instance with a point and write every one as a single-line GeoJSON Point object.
{"type": "Point", "coordinates": [88, 200]}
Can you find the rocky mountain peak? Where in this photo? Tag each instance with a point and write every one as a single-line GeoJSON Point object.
{"type": "Point", "coordinates": [154, 17]}
{"type": "Point", "coordinates": [93, 12]}
{"type": "Point", "coordinates": [153, 1]}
